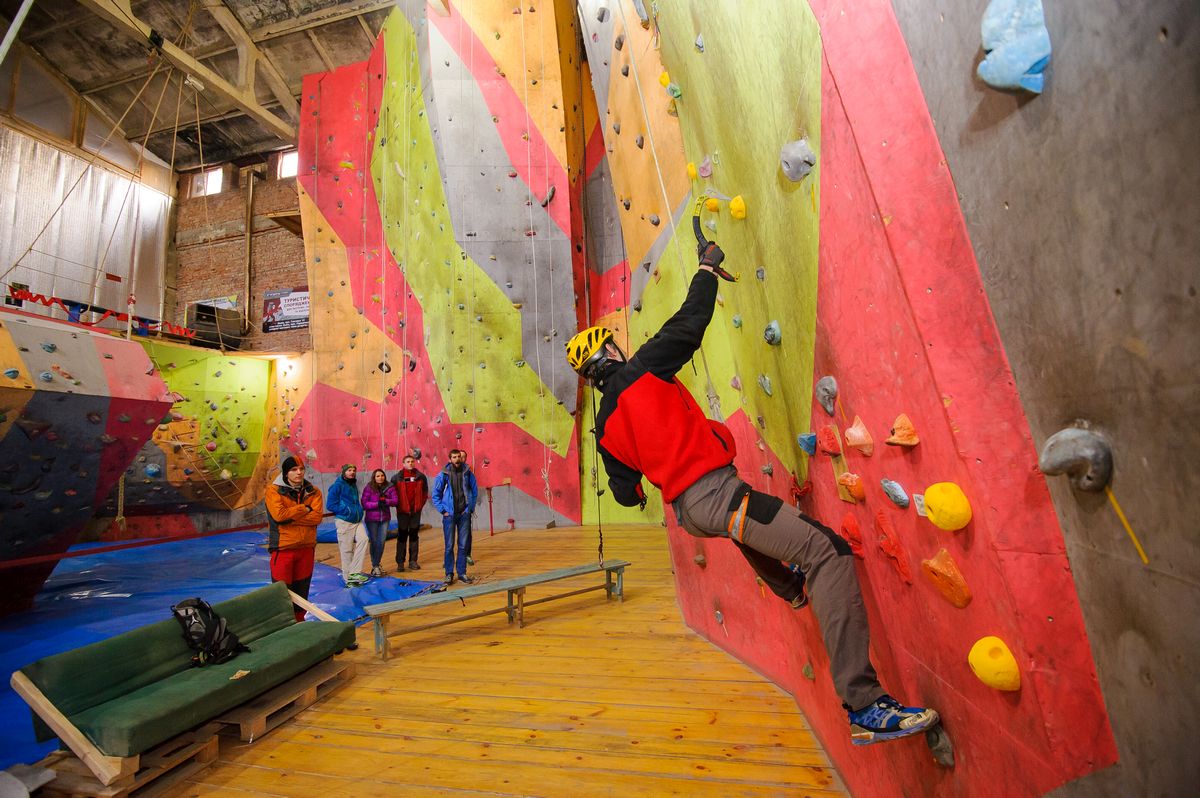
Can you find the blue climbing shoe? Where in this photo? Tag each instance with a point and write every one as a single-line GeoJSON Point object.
{"type": "Point", "coordinates": [886, 719]}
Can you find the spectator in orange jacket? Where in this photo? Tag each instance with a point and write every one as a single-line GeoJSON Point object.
{"type": "Point", "coordinates": [294, 508]}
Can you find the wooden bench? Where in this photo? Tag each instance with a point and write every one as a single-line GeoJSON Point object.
{"type": "Point", "coordinates": [614, 585]}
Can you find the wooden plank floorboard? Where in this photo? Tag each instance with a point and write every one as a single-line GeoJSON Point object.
{"type": "Point", "coordinates": [592, 697]}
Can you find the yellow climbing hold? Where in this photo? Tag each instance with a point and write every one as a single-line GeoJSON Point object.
{"type": "Point", "coordinates": [947, 506]}
{"type": "Point", "coordinates": [994, 664]}
{"type": "Point", "coordinates": [737, 207]}
{"type": "Point", "coordinates": [711, 204]}
{"type": "Point", "coordinates": [664, 79]}
{"type": "Point", "coordinates": [692, 173]}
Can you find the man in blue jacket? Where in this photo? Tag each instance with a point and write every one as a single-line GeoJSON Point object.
{"type": "Point", "coordinates": [345, 503]}
{"type": "Point", "coordinates": [454, 493]}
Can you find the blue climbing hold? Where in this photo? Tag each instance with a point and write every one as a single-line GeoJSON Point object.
{"type": "Point", "coordinates": [1017, 44]}
{"type": "Point", "coordinates": [808, 442]}
{"type": "Point", "coordinates": [894, 492]}
{"type": "Point", "coordinates": [773, 335]}
{"type": "Point", "coordinates": [12, 374]}
{"type": "Point", "coordinates": [153, 470]}
{"type": "Point", "coordinates": [737, 321]}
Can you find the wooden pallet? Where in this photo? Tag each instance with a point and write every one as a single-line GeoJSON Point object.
{"type": "Point", "coordinates": [255, 718]}
{"type": "Point", "coordinates": [160, 769]}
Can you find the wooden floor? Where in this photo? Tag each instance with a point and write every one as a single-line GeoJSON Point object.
{"type": "Point", "coordinates": [590, 698]}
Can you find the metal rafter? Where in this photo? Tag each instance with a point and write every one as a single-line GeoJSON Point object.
{"type": "Point", "coordinates": [119, 14]}
{"type": "Point", "coordinates": [251, 60]}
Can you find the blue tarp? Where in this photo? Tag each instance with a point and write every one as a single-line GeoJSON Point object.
{"type": "Point", "coordinates": [94, 597]}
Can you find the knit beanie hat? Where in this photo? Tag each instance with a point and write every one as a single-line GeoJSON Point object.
{"type": "Point", "coordinates": [346, 466]}
{"type": "Point", "coordinates": [290, 462]}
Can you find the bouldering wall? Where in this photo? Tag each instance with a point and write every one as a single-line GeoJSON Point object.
{"type": "Point", "coordinates": [866, 268]}
{"type": "Point", "coordinates": [436, 193]}
{"type": "Point", "coordinates": [213, 453]}
{"type": "Point", "coordinates": [76, 407]}
{"type": "Point", "coordinates": [1082, 206]}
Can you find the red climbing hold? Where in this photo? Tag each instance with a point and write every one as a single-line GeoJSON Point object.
{"type": "Point", "coordinates": [854, 485]}
{"type": "Point", "coordinates": [827, 439]}
{"type": "Point", "coordinates": [851, 532]}
{"type": "Point", "coordinates": [890, 543]}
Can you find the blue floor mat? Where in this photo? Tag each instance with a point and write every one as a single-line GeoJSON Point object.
{"type": "Point", "coordinates": [93, 597]}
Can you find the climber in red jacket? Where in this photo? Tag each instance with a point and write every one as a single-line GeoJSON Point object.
{"type": "Point", "coordinates": [649, 425]}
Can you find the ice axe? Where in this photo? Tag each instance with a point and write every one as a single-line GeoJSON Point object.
{"type": "Point", "coordinates": [703, 242]}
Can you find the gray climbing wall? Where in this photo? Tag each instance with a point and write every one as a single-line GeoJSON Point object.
{"type": "Point", "coordinates": [1082, 205]}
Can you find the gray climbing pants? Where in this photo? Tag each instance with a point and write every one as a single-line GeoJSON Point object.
{"type": "Point", "coordinates": [719, 505]}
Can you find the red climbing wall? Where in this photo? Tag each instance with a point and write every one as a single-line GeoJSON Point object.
{"type": "Point", "coordinates": [904, 326]}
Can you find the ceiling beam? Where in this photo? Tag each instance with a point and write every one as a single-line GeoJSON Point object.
{"type": "Point", "coordinates": [321, 51]}
{"type": "Point", "coordinates": [302, 23]}
{"type": "Point", "coordinates": [251, 60]}
{"type": "Point", "coordinates": [119, 14]}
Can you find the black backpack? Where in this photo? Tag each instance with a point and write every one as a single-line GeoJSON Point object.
{"type": "Point", "coordinates": [206, 633]}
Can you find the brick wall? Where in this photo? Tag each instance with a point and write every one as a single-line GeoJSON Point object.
{"type": "Point", "coordinates": [211, 248]}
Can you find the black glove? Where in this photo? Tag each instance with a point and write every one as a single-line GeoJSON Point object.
{"type": "Point", "coordinates": [711, 255]}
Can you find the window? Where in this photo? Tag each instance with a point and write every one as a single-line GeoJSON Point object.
{"type": "Point", "coordinates": [289, 164]}
{"type": "Point", "coordinates": [42, 101]}
{"type": "Point", "coordinates": [207, 182]}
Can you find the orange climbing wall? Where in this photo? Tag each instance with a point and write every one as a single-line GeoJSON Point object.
{"type": "Point", "coordinates": [440, 263]}
{"type": "Point", "coordinates": [902, 323]}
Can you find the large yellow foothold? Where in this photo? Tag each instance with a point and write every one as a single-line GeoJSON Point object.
{"type": "Point", "coordinates": [737, 207]}
{"type": "Point", "coordinates": [692, 173]}
{"type": "Point", "coordinates": [994, 664]}
{"type": "Point", "coordinates": [947, 506]}
{"type": "Point", "coordinates": [711, 204]}
{"type": "Point", "coordinates": [664, 79]}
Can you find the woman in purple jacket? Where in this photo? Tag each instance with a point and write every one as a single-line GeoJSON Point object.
{"type": "Point", "coordinates": [378, 497]}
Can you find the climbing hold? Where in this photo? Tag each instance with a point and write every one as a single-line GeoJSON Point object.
{"type": "Point", "coordinates": [797, 159]}
{"type": "Point", "coordinates": [654, 220]}
{"type": "Point", "coordinates": [700, 43]}
{"type": "Point", "coordinates": [827, 391]}
{"type": "Point", "coordinates": [601, 16]}
{"type": "Point", "coordinates": [737, 321]}
{"type": "Point", "coordinates": [903, 432]}
{"type": "Point", "coordinates": [691, 170]}
{"type": "Point", "coordinates": [549, 196]}
{"type": "Point", "coordinates": [1017, 44]}
{"type": "Point", "coordinates": [226, 474]}
{"type": "Point", "coordinates": [767, 469]}
{"type": "Point", "coordinates": [772, 334]}
{"type": "Point", "coordinates": [947, 507]}
{"type": "Point", "coordinates": [664, 79]}
{"type": "Point", "coordinates": [735, 383]}
{"type": "Point", "coordinates": [385, 367]}
{"type": "Point", "coordinates": [1085, 455]}
{"type": "Point", "coordinates": [737, 207]}
{"type": "Point", "coordinates": [712, 204]}
{"type": "Point", "coordinates": [858, 437]}
{"type": "Point", "coordinates": [625, 70]}
{"type": "Point", "coordinates": [46, 376]}
{"type": "Point", "coordinates": [241, 442]}
{"type": "Point", "coordinates": [50, 347]}
{"type": "Point", "coordinates": [827, 439]}
{"type": "Point", "coordinates": [12, 374]}
{"type": "Point", "coordinates": [894, 492]}
{"type": "Point", "coordinates": [620, 41]}
{"type": "Point", "coordinates": [705, 167]}
{"type": "Point", "coordinates": [942, 571]}
{"type": "Point", "coordinates": [851, 532]}
{"type": "Point", "coordinates": [153, 470]}
{"type": "Point", "coordinates": [211, 446]}
{"type": "Point", "coordinates": [764, 382]}
{"type": "Point", "coordinates": [761, 274]}
{"type": "Point", "coordinates": [889, 543]}
{"type": "Point", "coordinates": [640, 141]}
{"type": "Point", "coordinates": [854, 485]}
{"type": "Point", "coordinates": [700, 560]}
{"type": "Point", "coordinates": [616, 126]}
{"type": "Point", "coordinates": [808, 442]}
{"type": "Point", "coordinates": [626, 203]}
{"type": "Point", "coordinates": [994, 664]}
{"type": "Point", "coordinates": [674, 90]}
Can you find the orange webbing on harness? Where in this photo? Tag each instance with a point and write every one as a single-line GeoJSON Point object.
{"type": "Point", "coordinates": [737, 520]}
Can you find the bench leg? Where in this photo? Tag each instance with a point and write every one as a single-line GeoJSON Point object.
{"type": "Point", "coordinates": [381, 638]}
{"type": "Point", "coordinates": [608, 586]}
{"type": "Point", "coordinates": [621, 584]}
{"type": "Point", "coordinates": [509, 610]}
{"type": "Point", "coordinates": [521, 607]}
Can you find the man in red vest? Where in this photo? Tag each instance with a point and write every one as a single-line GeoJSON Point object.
{"type": "Point", "coordinates": [649, 425]}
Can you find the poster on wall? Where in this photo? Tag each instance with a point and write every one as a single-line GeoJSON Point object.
{"type": "Point", "coordinates": [285, 309]}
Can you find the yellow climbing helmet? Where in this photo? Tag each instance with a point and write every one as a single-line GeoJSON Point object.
{"type": "Point", "coordinates": [586, 348]}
